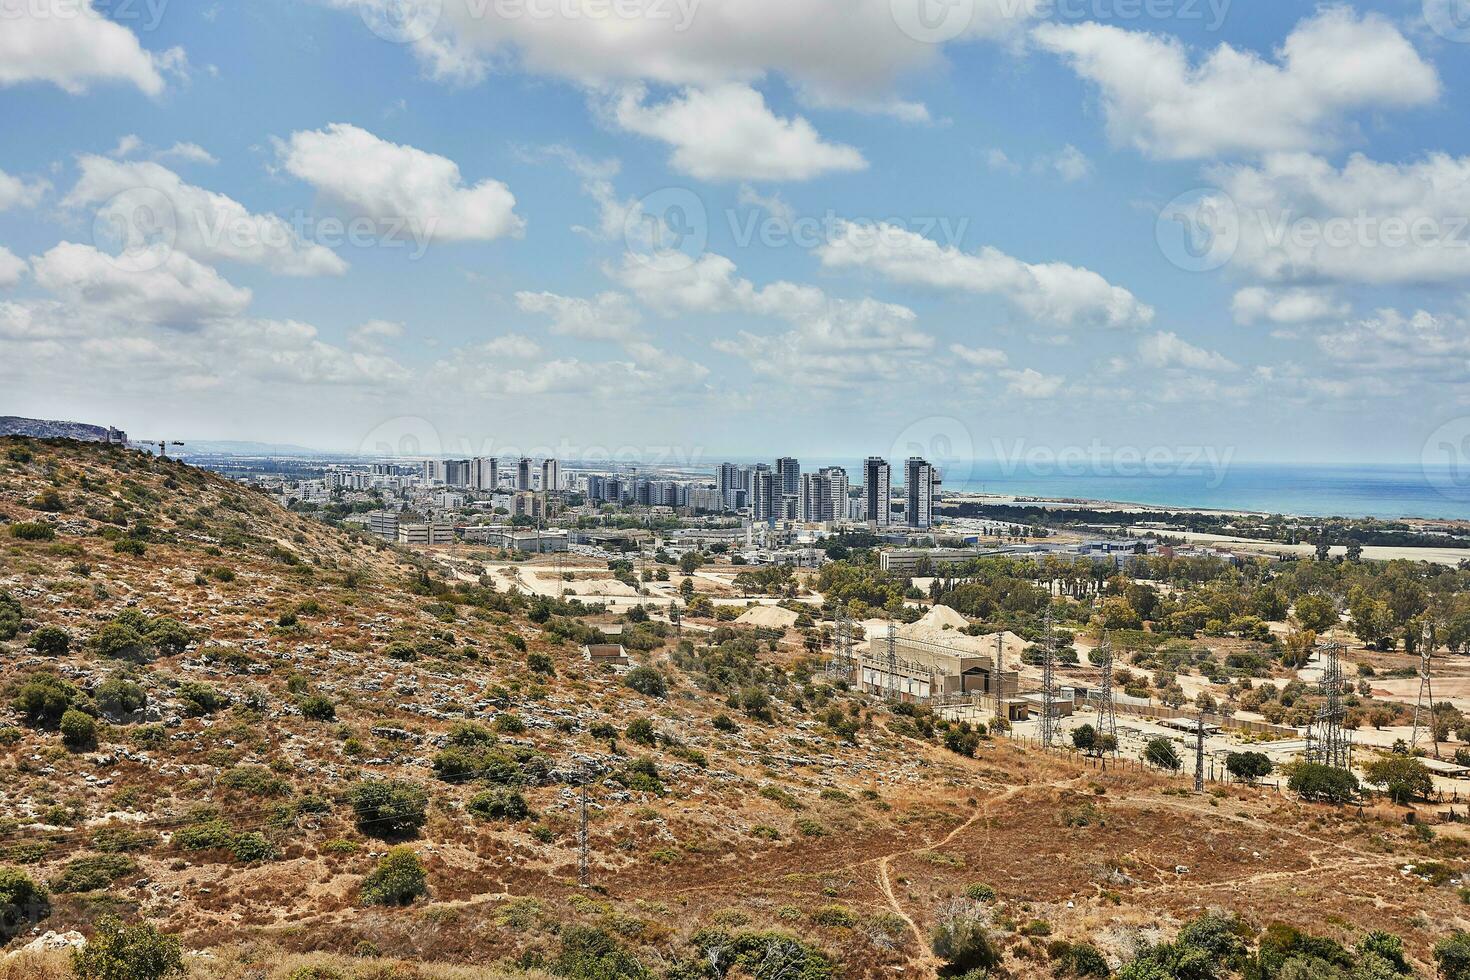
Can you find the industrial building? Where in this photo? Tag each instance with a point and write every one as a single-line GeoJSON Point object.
{"type": "Point", "coordinates": [934, 660]}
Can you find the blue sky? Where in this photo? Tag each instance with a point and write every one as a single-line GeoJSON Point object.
{"type": "Point", "coordinates": [976, 222]}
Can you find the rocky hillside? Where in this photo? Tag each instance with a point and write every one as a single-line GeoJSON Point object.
{"type": "Point", "coordinates": [307, 754]}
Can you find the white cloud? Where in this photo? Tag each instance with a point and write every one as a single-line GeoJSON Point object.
{"type": "Point", "coordinates": [288, 352]}
{"type": "Point", "coordinates": [1331, 65]}
{"type": "Point", "coordinates": [980, 357]}
{"type": "Point", "coordinates": [1166, 350]}
{"type": "Point", "coordinates": [1000, 161]}
{"type": "Point", "coordinates": [609, 316]}
{"type": "Point", "coordinates": [1053, 292]}
{"type": "Point", "coordinates": [189, 152]}
{"type": "Point", "coordinates": [645, 374]}
{"type": "Point", "coordinates": [727, 133]}
{"type": "Point", "coordinates": [12, 267]}
{"type": "Point", "coordinates": [1302, 219]}
{"type": "Point", "coordinates": [1256, 303]}
{"type": "Point", "coordinates": [1032, 384]}
{"type": "Point", "coordinates": [71, 45]}
{"type": "Point", "coordinates": [206, 225]}
{"type": "Point", "coordinates": [177, 292]}
{"type": "Point", "coordinates": [511, 347]}
{"type": "Point", "coordinates": [1403, 350]}
{"type": "Point", "coordinates": [1071, 164]}
{"type": "Point", "coordinates": [17, 193]}
{"type": "Point", "coordinates": [393, 183]}
{"type": "Point", "coordinates": [372, 334]}
{"type": "Point", "coordinates": [710, 285]}
{"type": "Point", "coordinates": [851, 58]}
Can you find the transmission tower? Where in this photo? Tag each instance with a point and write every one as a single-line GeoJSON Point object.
{"type": "Point", "coordinates": [1199, 752]}
{"type": "Point", "coordinates": [841, 663]}
{"type": "Point", "coordinates": [1424, 707]}
{"type": "Point", "coordinates": [892, 688]}
{"type": "Point", "coordinates": [1048, 680]}
{"type": "Point", "coordinates": [1107, 711]}
{"type": "Point", "coordinates": [1328, 742]}
{"type": "Point", "coordinates": [1000, 666]}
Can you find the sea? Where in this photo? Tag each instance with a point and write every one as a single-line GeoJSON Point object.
{"type": "Point", "coordinates": [1387, 491]}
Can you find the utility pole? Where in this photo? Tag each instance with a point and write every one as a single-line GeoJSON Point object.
{"type": "Point", "coordinates": [1048, 680]}
{"type": "Point", "coordinates": [584, 876]}
{"type": "Point", "coordinates": [1424, 707]}
{"type": "Point", "coordinates": [1199, 752]}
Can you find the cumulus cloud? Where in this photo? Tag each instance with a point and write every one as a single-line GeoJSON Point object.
{"type": "Point", "coordinates": [372, 334]}
{"type": "Point", "coordinates": [72, 45]}
{"type": "Point", "coordinates": [711, 285]}
{"type": "Point", "coordinates": [853, 59]}
{"type": "Point", "coordinates": [727, 133]}
{"type": "Point", "coordinates": [393, 183]}
{"type": "Point", "coordinates": [12, 267]}
{"type": "Point", "coordinates": [512, 366]}
{"type": "Point", "coordinates": [1301, 219]}
{"type": "Point", "coordinates": [608, 316]}
{"type": "Point", "coordinates": [208, 226]}
{"type": "Point", "coordinates": [1286, 306]}
{"type": "Point", "coordinates": [980, 357]}
{"type": "Point", "coordinates": [1419, 346]}
{"type": "Point", "coordinates": [175, 292]}
{"type": "Point", "coordinates": [17, 193]}
{"type": "Point", "coordinates": [1166, 350]}
{"type": "Point", "coordinates": [1052, 292]}
{"type": "Point", "coordinates": [1030, 383]}
{"type": "Point", "coordinates": [1157, 100]}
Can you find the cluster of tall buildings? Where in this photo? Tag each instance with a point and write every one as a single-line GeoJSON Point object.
{"type": "Point", "coordinates": [483, 473]}
{"type": "Point", "coordinates": [784, 492]}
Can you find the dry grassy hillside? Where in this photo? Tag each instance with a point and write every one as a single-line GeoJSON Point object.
{"type": "Point", "coordinates": [248, 672]}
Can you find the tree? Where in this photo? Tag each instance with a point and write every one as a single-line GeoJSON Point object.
{"type": "Point", "coordinates": [1248, 766]}
{"type": "Point", "coordinates": [22, 901]}
{"type": "Point", "coordinates": [137, 952]}
{"type": "Point", "coordinates": [1318, 783]}
{"type": "Point", "coordinates": [1162, 753]}
{"type": "Point", "coordinates": [1316, 612]}
{"type": "Point", "coordinates": [965, 944]}
{"type": "Point", "coordinates": [389, 808]}
{"type": "Point", "coordinates": [50, 641]}
{"type": "Point", "coordinates": [78, 729]}
{"type": "Point", "coordinates": [1084, 739]}
{"type": "Point", "coordinates": [647, 681]}
{"type": "Point", "coordinates": [398, 879]}
{"type": "Point", "coordinates": [1403, 777]}
{"type": "Point", "coordinates": [122, 642]}
{"type": "Point", "coordinates": [43, 698]}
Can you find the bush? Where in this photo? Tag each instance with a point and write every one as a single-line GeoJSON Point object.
{"type": "Point", "coordinates": [129, 546]}
{"type": "Point", "coordinates": [1161, 752]}
{"type": "Point", "coordinates": [10, 616]}
{"type": "Point", "coordinates": [120, 697]}
{"type": "Point", "coordinates": [118, 952]}
{"type": "Point", "coordinates": [1248, 766]}
{"type": "Point", "coordinates": [962, 742]}
{"type": "Point", "coordinates": [592, 953]}
{"type": "Point", "coordinates": [647, 681]}
{"type": "Point", "coordinates": [1318, 783]}
{"type": "Point", "coordinates": [169, 636]}
{"type": "Point", "coordinates": [32, 531]}
{"type": "Point", "coordinates": [389, 808]}
{"type": "Point", "coordinates": [1452, 955]}
{"type": "Point", "coordinates": [42, 699]}
{"type": "Point", "coordinates": [980, 892]}
{"type": "Point", "coordinates": [89, 874]}
{"type": "Point", "coordinates": [540, 663]}
{"type": "Point", "coordinates": [965, 944]}
{"type": "Point", "coordinates": [641, 730]}
{"type": "Point", "coordinates": [50, 641]}
{"type": "Point", "coordinates": [210, 835]}
{"type": "Point", "coordinates": [78, 729]}
{"type": "Point", "coordinates": [255, 781]}
{"type": "Point", "coordinates": [22, 901]}
{"type": "Point", "coordinates": [1402, 777]}
{"type": "Point", "coordinates": [199, 700]}
{"type": "Point", "coordinates": [121, 642]}
{"type": "Point", "coordinates": [316, 707]}
{"type": "Point", "coordinates": [252, 847]}
{"type": "Point", "coordinates": [499, 804]}
{"type": "Point", "coordinates": [397, 880]}
{"type": "Point", "coordinates": [724, 723]}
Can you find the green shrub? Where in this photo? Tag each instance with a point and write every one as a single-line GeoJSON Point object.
{"type": "Point", "coordinates": [724, 723]}
{"type": "Point", "coordinates": [169, 636]}
{"type": "Point", "coordinates": [32, 531]}
{"type": "Point", "coordinates": [199, 700]}
{"type": "Point", "coordinates": [121, 642]}
{"type": "Point", "coordinates": [255, 781]}
{"type": "Point", "coordinates": [43, 698]}
{"type": "Point", "coordinates": [1318, 783]}
{"type": "Point", "coordinates": [647, 681]}
{"type": "Point", "coordinates": [1248, 766]}
{"type": "Point", "coordinates": [316, 707]}
{"type": "Point", "coordinates": [50, 641]}
{"type": "Point", "coordinates": [1161, 752]}
{"type": "Point", "coordinates": [1402, 777]}
{"type": "Point", "coordinates": [641, 730]}
{"type": "Point", "coordinates": [78, 729]}
{"type": "Point", "coordinates": [22, 901]}
{"type": "Point", "coordinates": [129, 546]}
{"type": "Point", "coordinates": [89, 874]}
{"type": "Point", "coordinates": [593, 953]}
{"type": "Point", "coordinates": [980, 892]}
{"type": "Point", "coordinates": [137, 952]}
{"type": "Point", "coordinates": [397, 880]}
{"type": "Point", "coordinates": [120, 697]}
{"type": "Point", "coordinates": [499, 804]}
{"type": "Point", "coordinates": [965, 944]}
{"type": "Point", "coordinates": [251, 847]}
{"type": "Point", "coordinates": [388, 808]}
{"type": "Point", "coordinates": [210, 835]}
{"type": "Point", "coordinates": [10, 616]}
{"type": "Point", "coordinates": [1452, 955]}
{"type": "Point", "coordinates": [116, 840]}
{"type": "Point", "coordinates": [509, 724]}
{"type": "Point", "coordinates": [540, 663]}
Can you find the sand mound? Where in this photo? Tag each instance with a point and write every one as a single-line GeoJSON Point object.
{"type": "Point", "coordinates": [768, 617]}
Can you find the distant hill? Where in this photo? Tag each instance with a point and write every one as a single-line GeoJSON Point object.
{"type": "Point", "coordinates": [14, 425]}
{"type": "Point", "coordinates": [235, 447]}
